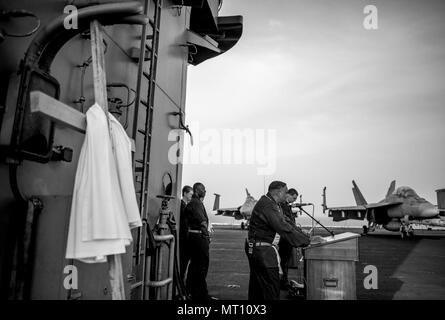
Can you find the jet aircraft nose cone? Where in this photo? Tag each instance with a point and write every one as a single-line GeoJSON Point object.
{"type": "Point", "coordinates": [430, 212]}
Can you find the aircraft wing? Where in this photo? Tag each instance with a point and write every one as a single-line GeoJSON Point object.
{"type": "Point", "coordinates": [383, 204]}
{"type": "Point", "coordinates": [359, 208]}
{"type": "Point", "coordinates": [378, 212]}
{"type": "Point", "coordinates": [345, 213]}
{"type": "Point", "coordinates": [228, 209]}
{"type": "Point", "coordinates": [230, 212]}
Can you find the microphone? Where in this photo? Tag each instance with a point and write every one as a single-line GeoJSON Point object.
{"type": "Point", "coordinates": [299, 205]}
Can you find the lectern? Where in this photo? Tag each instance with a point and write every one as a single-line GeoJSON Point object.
{"type": "Point", "coordinates": [330, 268]}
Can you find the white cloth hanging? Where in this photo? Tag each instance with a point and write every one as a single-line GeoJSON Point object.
{"type": "Point", "coordinates": [104, 206]}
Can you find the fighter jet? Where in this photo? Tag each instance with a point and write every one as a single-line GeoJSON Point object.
{"type": "Point", "coordinates": [243, 212]}
{"type": "Point", "coordinates": [398, 212]}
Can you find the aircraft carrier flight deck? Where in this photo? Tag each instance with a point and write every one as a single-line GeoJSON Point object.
{"type": "Point", "coordinates": [408, 269]}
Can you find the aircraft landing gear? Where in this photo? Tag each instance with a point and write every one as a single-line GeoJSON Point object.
{"type": "Point", "coordinates": [406, 231]}
{"type": "Point", "coordinates": [365, 230]}
{"type": "Point", "coordinates": [410, 231]}
{"type": "Point", "coordinates": [402, 232]}
{"type": "Point", "coordinates": [369, 228]}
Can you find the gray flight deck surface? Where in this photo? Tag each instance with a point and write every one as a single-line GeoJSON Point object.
{"type": "Point", "coordinates": [407, 269]}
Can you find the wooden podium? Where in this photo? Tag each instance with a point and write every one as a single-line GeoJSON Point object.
{"type": "Point", "coordinates": [330, 268]}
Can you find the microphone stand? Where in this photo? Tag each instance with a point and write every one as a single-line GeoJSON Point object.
{"type": "Point", "coordinates": [332, 233]}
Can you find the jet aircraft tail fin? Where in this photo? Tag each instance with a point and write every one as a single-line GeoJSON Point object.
{"type": "Point", "coordinates": [359, 198]}
{"type": "Point", "coordinates": [216, 203]}
{"type": "Point", "coordinates": [391, 189]}
{"type": "Point", "coordinates": [324, 205]}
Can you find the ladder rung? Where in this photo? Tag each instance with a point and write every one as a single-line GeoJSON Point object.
{"type": "Point", "coordinates": [138, 169]}
{"type": "Point", "coordinates": [144, 133]}
{"type": "Point", "coordinates": [144, 102]}
{"type": "Point", "coordinates": [148, 47]}
{"type": "Point", "coordinates": [140, 254]}
{"type": "Point", "coordinates": [135, 52]}
{"type": "Point", "coordinates": [136, 285]}
{"type": "Point", "coordinates": [141, 161]}
{"type": "Point", "coordinates": [158, 284]}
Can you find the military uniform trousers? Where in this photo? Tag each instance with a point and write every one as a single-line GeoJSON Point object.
{"type": "Point", "coordinates": [184, 256]}
{"type": "Point", "coordinates": [285, 251]}
{"type": "Point", "coordinates": [198, 250]}
{"type": "Point", "coordinates": [264, 281]}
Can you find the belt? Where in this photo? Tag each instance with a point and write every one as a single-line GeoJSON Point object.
{"type": "Point", "coordinates": [268, 244]}
{"type": "Point", "coordinates": [195, 231]}
{"type": "Point", "coordinates": [262, 244]}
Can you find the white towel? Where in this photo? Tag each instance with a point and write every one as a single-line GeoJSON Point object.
{"type": "Point", "coordinates": [280, 271]}
{"type": "Point", "coordinates": [275, 242]}
{"type": "Point", "coordinates": [122, 152]}
{"type": "Point", "coordinates": [104, 204]}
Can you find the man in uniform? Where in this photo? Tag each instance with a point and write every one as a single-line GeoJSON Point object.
{"type": "Point", "coordinates": [187, 193]}
{"type": "Point", "coordinates": [268, 219]}
{"type": "Point", "coordinates": [284, 247]}
{"type": "Point", "coordinates": [197, 244]}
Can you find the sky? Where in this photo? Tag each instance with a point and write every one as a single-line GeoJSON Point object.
{"type": "Point", "coordinates": [343, 102]}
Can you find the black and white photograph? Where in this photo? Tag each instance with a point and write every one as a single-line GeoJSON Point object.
{"type": "Point", "coordinates": [229, 156]}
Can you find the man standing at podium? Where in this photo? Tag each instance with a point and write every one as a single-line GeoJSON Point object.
{"type": "Point", "coordinates": [268, 219]}
{"type": "Point", "coordinates": [284, 247]}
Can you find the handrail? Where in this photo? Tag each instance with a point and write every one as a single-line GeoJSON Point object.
{"type": "Point", "coordinates": [169, 280]}
{"type": "Point", "coordinates": [163, 237]}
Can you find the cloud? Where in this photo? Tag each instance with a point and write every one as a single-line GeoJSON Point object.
{"type": "Point", "coordinates": [347, 103]}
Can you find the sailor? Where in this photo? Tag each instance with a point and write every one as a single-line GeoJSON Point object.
{"type": "Point", "coordinates": [268, 219]}
{"type": "Point", "coordinates": [197, 244]}
{"type": "Point", "coordinates": [187, 193]}
{"type": "Point", "coordinates": [285, 248]}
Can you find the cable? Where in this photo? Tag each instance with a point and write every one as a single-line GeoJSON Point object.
{"type": "Point", "coordinates": [318, 222]}
{"type": "Point", "coordinates": [191, 54]}
{"type": "Point", "coordinates": [20, 14]}
{"type": "Point", "coordinates": [82, 78]}
{"type": "Point", "coordinates": [134, 99]}
{"type": "Point", "coordinates": [119, 107]}
{"type": "Point", "coordinates": [313, 211]}
{"type": "Point", "coordinates": [13, 182]}
{"type": "Point", "coordinates": [84, 66]}
{"type": "Point", "coordinates": [117, 44]}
